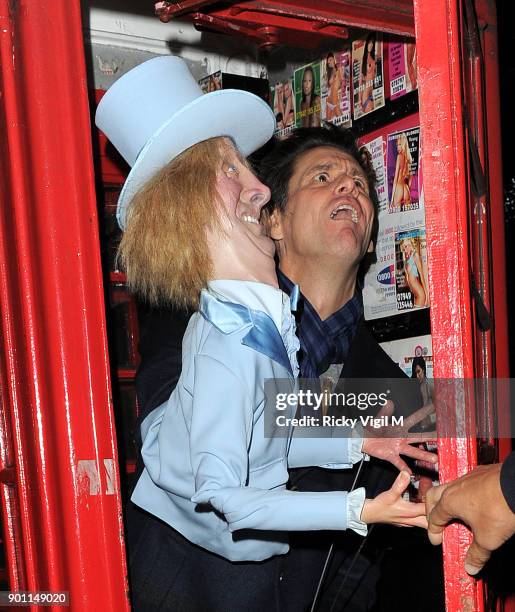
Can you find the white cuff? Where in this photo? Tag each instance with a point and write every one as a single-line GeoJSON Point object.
{"type": "Point", "coordinates": [355, 503]}
{"type": "Point", "coordinates": [355, 453]}
{"type": "Point", "coordinates": [356, 444]}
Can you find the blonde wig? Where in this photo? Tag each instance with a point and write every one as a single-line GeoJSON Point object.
{"type": "Point", "coordinates": [164, 247]}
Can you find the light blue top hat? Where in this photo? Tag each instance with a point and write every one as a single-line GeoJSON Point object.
{"type": "Point", "coordinates": [157, 110]}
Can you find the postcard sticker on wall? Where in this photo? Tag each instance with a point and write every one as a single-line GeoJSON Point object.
{"type": "Point", "coordinates": [336, 81]}
{"type": "Point", "coordinates": [402, 162]}
{"type": "Point", "coordinates": [307, 95]}
{"type": "Point", "coordinates": [367, 74]}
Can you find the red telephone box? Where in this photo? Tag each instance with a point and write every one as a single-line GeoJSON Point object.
{"type": "Point", "coordinates": [60, 495]}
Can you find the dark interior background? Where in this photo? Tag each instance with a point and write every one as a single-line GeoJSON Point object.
{"type": "Point", "coordinates": [506, 16]}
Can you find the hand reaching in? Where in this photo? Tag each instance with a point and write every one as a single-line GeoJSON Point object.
{"type": "Point", "coordinates": [478, 501]}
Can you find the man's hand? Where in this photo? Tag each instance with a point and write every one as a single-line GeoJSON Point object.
{"type": "Point", "coordinates": [389, 443]}
{"type": "Point", "coordinates": [389, 507]}
{"type": "Point", "coordinates": [477, 500]}
{"type": "Point", "coordinates": [402, 431]}
{"type": "Point", "coordinates": [391, 449]}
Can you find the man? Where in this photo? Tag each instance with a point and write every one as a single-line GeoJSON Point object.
{"type": "Point", "coordinates": [323, 218]}
{"type": "Point", "coordinates": [492, 523]}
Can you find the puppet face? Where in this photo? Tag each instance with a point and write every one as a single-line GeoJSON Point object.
{"type": "Point", "coordinates": [242, 250]}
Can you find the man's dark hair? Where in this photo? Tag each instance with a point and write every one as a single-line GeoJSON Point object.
{"type": "Point", "coordinates": [277, 168]}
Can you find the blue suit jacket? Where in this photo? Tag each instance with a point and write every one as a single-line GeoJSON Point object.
{"type": "Point", "coordinates": [210, 470]}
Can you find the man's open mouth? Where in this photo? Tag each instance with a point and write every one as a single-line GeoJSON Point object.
{"type": "Point", "coordinates": [345, 211]}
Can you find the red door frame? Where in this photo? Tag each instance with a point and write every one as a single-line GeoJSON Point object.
{"type": "Point", "coordinates": [443, 156]}
{"type": "Point", "coordinates": [61, 459]}
{"type": "Point", "coordinates": [451, 253]}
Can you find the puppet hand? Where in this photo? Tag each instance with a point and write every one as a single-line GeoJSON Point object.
{"type": "Point", "coordinates": [390, 507]}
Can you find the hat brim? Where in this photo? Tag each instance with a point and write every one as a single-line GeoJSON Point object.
{"type": "Point", "coordinates": [240, 115]}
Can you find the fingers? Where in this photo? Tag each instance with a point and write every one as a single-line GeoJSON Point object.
{"type": "Point", "coordinates": [421, 437]}
{"type": "Point", "coordinates": [400, 464]}
{"type": "Point", "coordinates": [411, 514]}
{"type": "Point", "coordinates": [418, 416]}
{"type": "Point", "coordinates": [400, 484]}
{"type": "Point", "coordinates": [418, 453]}
{"type": "Point", "coordinates": [418, 521]}
{"type": "Point", "coordinates": [476, 558]}
{"type": "Point", "coordinates": [432, 497]}
{"type": "Point", "coordinates": [413, 510]}
{"type": "Point", "coordinates": [434, 533]}
{"type": "Point", "coordinates": [387, 409]}
{"type": "Point", "coordinates": [439, 515]}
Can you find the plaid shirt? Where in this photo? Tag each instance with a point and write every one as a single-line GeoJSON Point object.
{"type": "Point", "coordinates": [323, 343]}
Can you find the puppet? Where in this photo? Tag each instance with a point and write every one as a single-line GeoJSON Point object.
{"type": "Point", "coordinates": [191, 211]}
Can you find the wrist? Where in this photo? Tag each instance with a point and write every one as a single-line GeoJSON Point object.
{"type": "Point", "coordinates": [367, 514]}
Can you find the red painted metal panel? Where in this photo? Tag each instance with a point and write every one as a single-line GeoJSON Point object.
{"type": "Point", "coordinates": [479, 227]}
{"type": "Point", "coordinates": [55, 379]}
{"type": "Point", "coordinates": [438, 31]}
{"type": "Point", "coordinates": [486, 12]}
{"type": "Point", "coordinates": [11, 539]}
{"type": "Point", "coordinates": [488, 22]}
{"type": "Point", "coordinates": [487, 16]}
{"type": "Point", "coordinates": [386, 16]}
{"type": "Point", "coordinates": [301, 23]}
